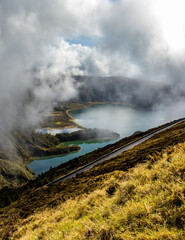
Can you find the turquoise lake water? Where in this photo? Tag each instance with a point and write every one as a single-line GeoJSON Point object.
{"type": "Point", "coordinates": [123, 119]}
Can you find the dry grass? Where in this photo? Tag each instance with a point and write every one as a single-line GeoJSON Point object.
{"type": "Point", "coordinates": [13, 172]}
{"type": "Point", "coordinates": [35, 199]}
{"type": "Point", "coordinates": [147, 202]}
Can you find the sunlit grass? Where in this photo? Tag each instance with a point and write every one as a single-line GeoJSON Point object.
{"type": "Point", "coordinates": [147, 202]}
{"type": "Point", "coordinates": [58, 123]}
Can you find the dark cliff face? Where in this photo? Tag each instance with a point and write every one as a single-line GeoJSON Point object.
{"type": "Point", "coordinates": [119, 89]}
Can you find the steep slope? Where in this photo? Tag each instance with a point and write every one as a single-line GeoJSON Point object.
{"type": "Point", "coordinates": [21, 146]}
{"type": "Point", "coordinates": [137, 195]}
{"type": "Point", "coordinates": [147, 202]}
{"type": "Point", "coordinates": [13, 173]}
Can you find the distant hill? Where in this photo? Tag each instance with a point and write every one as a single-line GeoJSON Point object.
{"type": "Point", "coordinates": [139, 92]}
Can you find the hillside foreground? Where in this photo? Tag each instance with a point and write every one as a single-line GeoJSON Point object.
{"type": "Point", "coordinates": [138, 195]}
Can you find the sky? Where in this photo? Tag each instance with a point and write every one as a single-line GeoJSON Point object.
{"type": "Point", "coordinates": [52, 40]}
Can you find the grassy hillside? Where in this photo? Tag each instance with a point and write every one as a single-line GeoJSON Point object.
{"type": "Point", "coordinates": [23, 146]}
{"type": "Point", "coordinates": [7, 195]}
{"type": "Point", "coordinates": [147, 202]}
{"type": "Point", "coordinates": [14, 173]}
{"type": "Point", "coordinates": [136, 195]}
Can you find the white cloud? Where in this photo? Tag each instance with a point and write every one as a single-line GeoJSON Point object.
{"type": "Point", "coordinates": [134, 39]}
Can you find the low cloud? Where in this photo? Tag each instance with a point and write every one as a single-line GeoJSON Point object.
{"type": "Point", "coordinates": [38, 59]}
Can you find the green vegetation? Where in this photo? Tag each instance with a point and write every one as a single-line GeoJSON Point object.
{"type": "Point", "coordinates": [136, 195]}
{"type": "Point", "coordinates": [61, 117]}
{"type": "Point", "coordinates": [58, 150]}
{"type": "Point", "coordinates": [87, 134]}
{"type": "Point", "coordinates": [27, 145]}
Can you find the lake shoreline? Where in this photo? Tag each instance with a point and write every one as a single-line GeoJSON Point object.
{"type": "Point", "coordinates": [67, 121]}
{"type": "Point", "coordinates": [87, 106]}
{"type": "Point", "coordinates": [49, 157]}
{"type": "Point", "coordinates": [118, 117]}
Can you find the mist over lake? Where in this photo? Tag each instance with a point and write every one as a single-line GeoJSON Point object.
{"type": "Point", "coordinates": [123, 119]}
